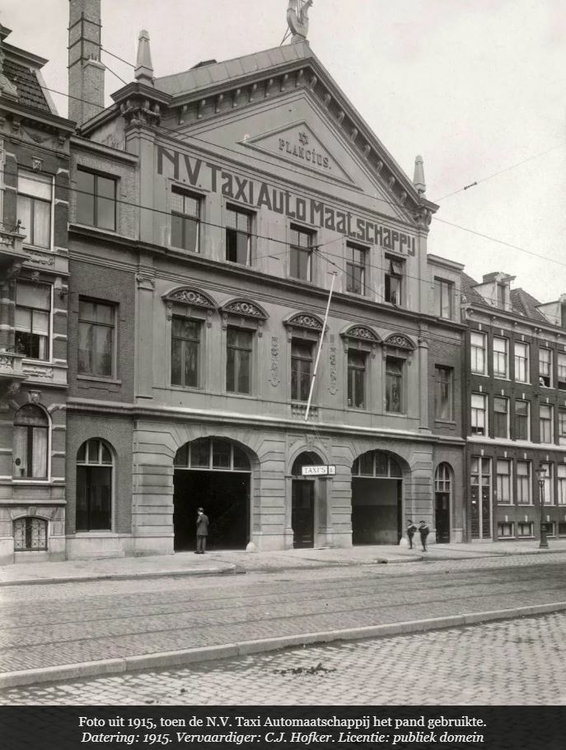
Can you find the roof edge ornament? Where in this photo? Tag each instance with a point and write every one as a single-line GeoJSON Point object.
{"type": "Point", "coordinates": [144, 66]}
{"type": "Point", "coordinates": [419, 178]}
{"type": "Point", "coordinates": [298, 19]}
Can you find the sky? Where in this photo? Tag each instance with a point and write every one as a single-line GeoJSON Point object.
{"type": "Point", "coordinates": [477, 87]}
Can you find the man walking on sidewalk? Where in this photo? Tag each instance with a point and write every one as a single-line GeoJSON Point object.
{"type": "Point", "coordinates": [423, 531]}
{"type": "Point", "coordinates": [202, 532]}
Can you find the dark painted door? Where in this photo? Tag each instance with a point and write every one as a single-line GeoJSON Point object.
{"type": "Point", "coordinates": [442, 517]}
{"type": "Point", "coordinates": [302, 514]}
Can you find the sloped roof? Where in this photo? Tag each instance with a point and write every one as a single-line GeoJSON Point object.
{"type": "Point", "coordinates": [468, 291]}
{"type": "Point", "coordinates": [525, 304]}
{"type": "Point", "coordinates": [202, 77]}
{"type": "Point", "coordinates": [25, 80]}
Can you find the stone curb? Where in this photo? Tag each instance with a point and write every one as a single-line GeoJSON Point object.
{"type": "Point", "coordinates": [184, 657]}
{"type": "Point", "coordinates": [225, 569]}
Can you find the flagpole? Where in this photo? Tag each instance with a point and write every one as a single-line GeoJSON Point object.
{"type": "Point", "coordinates": [320, 346]}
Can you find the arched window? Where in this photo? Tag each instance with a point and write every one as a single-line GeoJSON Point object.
{"type": "Point", "coordinates": [376, 464]}
{"type": "Point", "coordinates": [212, 455]}
{"type": "Point", "coordinates": [94, 486]}
{"type": "Point", "coordinates": [31, 441]}
{"type": "Point", "coordinates": [442, 478]}
{"type": "Point", "coordinates": [30, 534]}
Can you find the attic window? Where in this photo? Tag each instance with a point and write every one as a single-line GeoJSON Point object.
{"type": "Point", "coordinates": [501, 295]}
{"type": "Point", "coordinates": [563, 315]}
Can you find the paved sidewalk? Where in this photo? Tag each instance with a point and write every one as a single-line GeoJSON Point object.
{"type": "Point", "coordinates": [230, 562]}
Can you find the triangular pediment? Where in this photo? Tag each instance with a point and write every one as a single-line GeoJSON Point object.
{"type": "Point", "coordinates": [298, 145]}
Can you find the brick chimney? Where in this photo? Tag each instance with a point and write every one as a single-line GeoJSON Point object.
{"type": "Point", "coordinates": [86, 72]}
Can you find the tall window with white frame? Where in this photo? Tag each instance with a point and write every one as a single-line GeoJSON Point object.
{"type": "Point", "coordinates": [96, 338]}
{"type": "Point", "coordinates": [562, 426]}
{"type": "Point", "coordinates": [239, 350]}
{"type": "Point", "coordinates": [394, 272]}
{"type": "Point", "coordinates": [238, 236]}
{"type": "Point", "coordinates": [522, 420]}
{"type": "Point", "coordinates": [444, 396]}
{"type": "Point", "coordinates": [545, 367]}
{"type": "Point", "coordinates": [561, 483]}
{"type": "Point", "coordinates": [302, 360]}
{"type": "Point", "coordinates": [394, 370]}
{"type": "Point", "coordinates": [561, 370]}
{"type": "Point", "coordinates": [94, 486]}
{"type": "Point", "coordinates": [357, 366]}
{"type": "Point", "coordinates": [302, 247]}
{"type": "Point", "coordinates": [478, 422]}
{"type": "Point", "coordinates": [185, 220]}
{"type": "Point", "coordinates": [548, 483]}
{"type": "Point", "coordinates": [521, 362]}
{"type": "Point", "coordinates": [478, 352]}
{"type": "Point", "coordinates": [524, 483]}
{"type": "Point", "coordinates": [443, 298]}
{"type": "Point", "coordinates": [185, 351]}
{"type": "Point", "coordinates": [503, 482]}
{"type": "Point", "coordinates": [355, 268]}
{"type": "Point", "coordinates": [31, 443]}
{"type": "Point", "coordinates": [500, 417]}
{"type": "Point", "coordinates": [35, 199]}
{"type": "Point", "coordinates": [33, 320]}
{"type": "Point", "coordinates": [96, 200]}
{"type": "Point", "coordinates": [500, 357]}
{"type": "Point", "coordinates": [546, 423]}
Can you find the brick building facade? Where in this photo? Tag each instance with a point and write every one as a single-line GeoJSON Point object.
{"type": "Point", "coordinates": [34, 175]}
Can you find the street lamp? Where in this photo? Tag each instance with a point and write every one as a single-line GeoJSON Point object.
{"type": "Point", "coordinates": [541, 476]}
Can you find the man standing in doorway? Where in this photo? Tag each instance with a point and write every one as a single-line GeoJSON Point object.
{"type": "Point", "coordinates": [202, 532]}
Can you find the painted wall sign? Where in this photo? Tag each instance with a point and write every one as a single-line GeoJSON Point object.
{"type": "Point", "coordinates": [304, 151]}
{"type": "Point", "coordinates": [259, 194]}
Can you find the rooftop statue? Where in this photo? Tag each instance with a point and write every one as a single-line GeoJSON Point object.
{"type": "Point", "coordinates": [298, 19]}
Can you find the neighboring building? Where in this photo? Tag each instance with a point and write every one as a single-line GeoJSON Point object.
{"type": "Point", "coordinates": [516, 416]}
{"type": "Point", "coordinates": [34, 174]}
{"type": "Point", "coordinates": [210, 209]}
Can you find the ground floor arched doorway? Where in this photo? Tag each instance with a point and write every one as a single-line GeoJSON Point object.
{"type": "Point", "coordinates": [376, 499]}
{"type": "Point", "coordinates": [442, 496]}
{"type": "Point", "coordinates": [214, 474]}
{"type": "Point", "coordinates": [303, 501]}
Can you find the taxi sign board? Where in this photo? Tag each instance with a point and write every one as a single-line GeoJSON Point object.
{"type": "Point", "coordinates": [318, 471]}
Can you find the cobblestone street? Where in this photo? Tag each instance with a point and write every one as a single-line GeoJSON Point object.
{"type": "Point", "coordinates": [518, 662]}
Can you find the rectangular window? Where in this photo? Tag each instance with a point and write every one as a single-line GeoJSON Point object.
{"type": "Point", "coordinates": [525, 529]}
{"type": "Point", "coordinates": [239, 347]}
{"type": "Point", "coordinates": [185, 220]}
{"type": "Point", "coordinates": [479, 414]}
{"type": "Point", "coordinates": [355, 268]}
{"type": "Point", "coordinates": [302, 244]}
{"type": "Point", "coordinates": [357, 362]}
{"type": "Point", "coordinates": [32, 320]}
{"type": "Point", "coordinates": [546, 424]}
{"type": "Point", "coordinates": [562, 371]}
{"type": "Point", "coordinates": [238, 236]}
{"type": "Point", "coordinates": [521, 362]}
{"type": "Point", "coordinates": [34, 207]}
{"type": "Point", "coordinates": [500, 417]}
{"type": "Point", "coordinates": [562, 426]}
{"type": "Point", "coordinates": [504, 530]}
{"type": "Point", "coordinates": [504, 482]}
{"type": "Point", "coordinates": [548, 490]}
{"type": "Point", "coordinates": [96, 338]}
{"type": "Point", "coordinates": [478, 343]}
{"type": "Point", "coordinates": [393, 280]}
{"type": "Point", "coordinates": [500, 357]}
{"type": "Point", "coordinates": [545, 367]}
{"type": "Point", "coordinates": [185, 351]}
{"type": "Point", "coordinates": [96, 200]}
{"type": "Point", "coordinates": [443, 295]}
{"type": "Point", "coordinates": [522, 420]}
{"type": "Point", "coordinates": [394, 385]}
{"type": "Point", "coordinates": [301, 369]}
{"type": "Point", "coordinates": [444, 393]}
{"type": "Point", "coordinates": [501, 295]}
{"type": "Point", "coordinates": [524, 488]}
{"type": "Point", "coordinates": [561, 483]}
